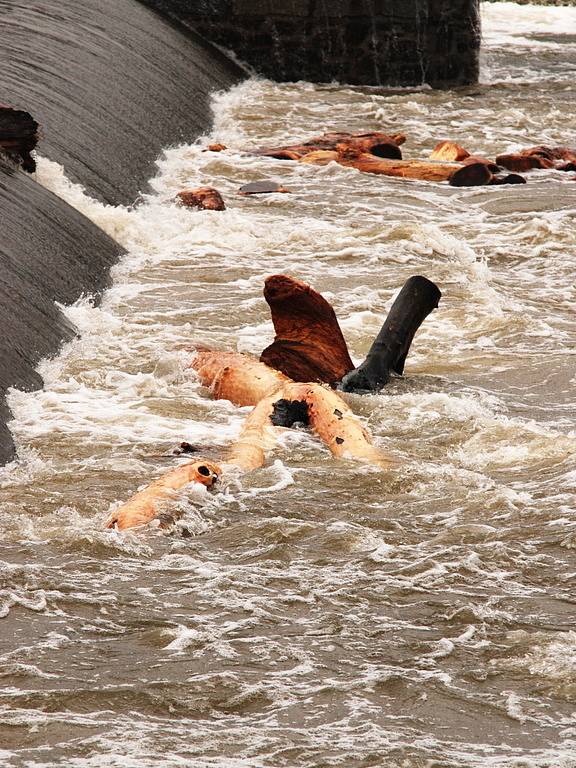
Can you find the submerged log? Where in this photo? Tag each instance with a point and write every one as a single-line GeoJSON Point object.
{"type": "Point", "coordinates": [146, 505]}
{"type": "Point", "coordinates": [421, 170]}
{"type": "Point", "coordinates": [205, 198]}
{"type": "Point", "coordinates": [18, 136]}
{"type": "Point", "coordinates": [510, 178]}
{"type": "Point", "coordinates": [537, 157]}
{"type": "Point", "coordinates": [309, 345]}
{"type": "Point", "coordinates": [416, 300]}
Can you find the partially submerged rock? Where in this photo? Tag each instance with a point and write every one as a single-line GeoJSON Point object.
{"type": "Point", "coordinates": [18, 136]}
{"type": "Point", "coordinates": [205, 198]}
{"type": "Point", "coordinates": [262, 188]}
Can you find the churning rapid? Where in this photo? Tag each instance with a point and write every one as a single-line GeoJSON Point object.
{"type": "Point", "coordinates": [314, 613]}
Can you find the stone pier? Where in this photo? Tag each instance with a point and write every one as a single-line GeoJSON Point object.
{"type": "Point", "coordinates": [361, 42]}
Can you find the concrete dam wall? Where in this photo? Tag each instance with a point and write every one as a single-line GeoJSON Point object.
{"type": "Point", "coordinates": [111, 83]}
{"type": "Point", "coordinates": [361, 42]}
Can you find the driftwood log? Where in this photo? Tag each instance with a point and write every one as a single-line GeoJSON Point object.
{"type": "Point", "coordinates": [309, 345]}
{"type": "Point", "coordinates": [327, 413]}
{"type": "Point", "coordinates": [376, 143]}
{"type": "Point", "coordinates": [146, 505]}
{"type": "Point", "coordinates": [416, 300]}
{"type": "Point", "coordinates": [538, 157]}
{"type": "Point", "coordinates": [18, 136]}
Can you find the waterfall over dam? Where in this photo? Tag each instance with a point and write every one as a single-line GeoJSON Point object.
{"type": "Point", "coordinates": [111, 84]}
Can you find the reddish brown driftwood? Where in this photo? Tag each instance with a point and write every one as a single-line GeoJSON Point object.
{"type": "Point", "coordinates": [376, 143]}
{"type": "Point", "coordinates": [206, 198]}
{"type": "Point", "coordinates": [215, 148]}
{"type": "Point", "coordinates": [538, 157]}
{"type": "Point", "coordinates": [449, 151]}
{"type": "Point", "coordinates": [18, 136]}
{"type": "Point", "coordinates": [309, 345]}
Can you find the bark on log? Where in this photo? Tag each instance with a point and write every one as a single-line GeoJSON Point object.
{"type": "Point", "coordinates": [18, 136]}
{"type": "Point", "coordinates": [537, 157]}
{"type": "Point", "coordinates": [146, 505]}
{"type": "Point", "coordinates": [309, 345]}
{"type": "Point", "coordinates": [416, 300]}
{"type": "Point", "coordinates": [376, 143]}
{"type": "Point", "coordinates": [205, 198]}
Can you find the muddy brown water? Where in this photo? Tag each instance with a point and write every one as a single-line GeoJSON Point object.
{"type": "Point", "coordinates": [315, 613]}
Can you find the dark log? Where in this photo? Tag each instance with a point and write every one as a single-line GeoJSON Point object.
{"type": "Point", "coordinates": [472, 175]}
{"type": "Point", "coordinates": [18, 136]}
{"type": "Point", "coordinates": [416, 300]}
{"type": "Point", "coordinates": [510, 178]}
{"type": "Point", "coordinates": [205, 198]}
{"type": "Point", "coordinates": [309, 345]}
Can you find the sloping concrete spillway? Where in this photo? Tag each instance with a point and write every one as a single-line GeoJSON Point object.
{"type": "Point", "coordinates": [110, 83]}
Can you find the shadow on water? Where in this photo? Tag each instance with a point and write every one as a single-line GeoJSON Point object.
{"type": "Point", "coordinates": [111, 84]}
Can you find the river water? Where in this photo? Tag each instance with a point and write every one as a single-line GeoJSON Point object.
{"type": "Point", "coordinates": [315, 613]}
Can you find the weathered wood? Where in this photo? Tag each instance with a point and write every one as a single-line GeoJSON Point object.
{"type": "Point", "coordinates": [236, 377]}
{"type": "Point", "coordinates": [18, 136]}
{"type": "Point", "coordinates": [422, 170]}
{"type": "Point", "coordinates": [205, 198]}
{"type": "Point", "coordinates": [376, 143]}
{"type": "Point", "coordinates": [537, 157]}
{"type": "Point", "coordinates": [416, 300]}
{"type": "Point", "coordinates": [146, 505]}
{"type": "Point", "coordinates": [327, 413]}
{"type": "Point", "coordinates": [448, 150]}
{"type": "Point", "coordinates": [309, 345]}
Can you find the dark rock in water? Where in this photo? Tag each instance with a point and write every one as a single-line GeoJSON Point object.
{"type": "Point", "coordinates": [205, 198]}
{"type": "Point", "coordinates": [262, 188]}
{"type": "Point", "coordinates": [18, 136]}
{"type": "Point", "coordinates": [111, 83]}
{"type": "Point", "coordinates": [49, 252]}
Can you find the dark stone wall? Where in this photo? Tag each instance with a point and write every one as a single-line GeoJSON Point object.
{"type": "Point", "coordinates": [361, 42]}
